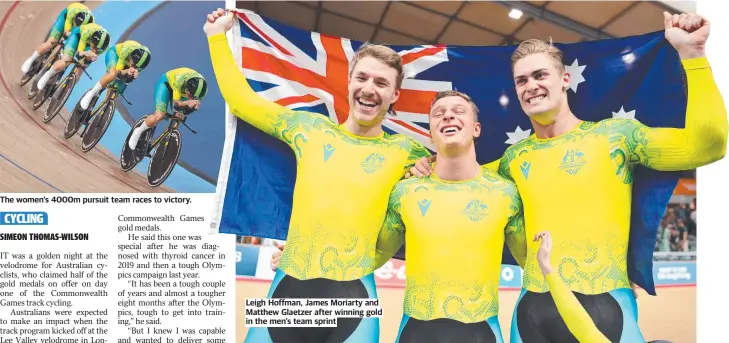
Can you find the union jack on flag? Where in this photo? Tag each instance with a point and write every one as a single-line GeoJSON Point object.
{"type": "Point", "coordinates": [635, 77]}
{"type": "Point", "coordinates": [302, 73]}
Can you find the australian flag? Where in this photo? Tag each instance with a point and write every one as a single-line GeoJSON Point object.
{"type": "Point", "coordinates": [635, 77]}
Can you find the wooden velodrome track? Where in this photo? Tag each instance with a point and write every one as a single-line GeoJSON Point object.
{"type": "Point", "coordinates": [34, 156]}
{"type": "Point", "coordinates": [669, 316]}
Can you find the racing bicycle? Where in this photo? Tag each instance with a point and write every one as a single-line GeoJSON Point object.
{"type": "Point", "coordinates": [97, 120]}
{"type": "Point", "coordinates": [41, 62]}
{"type": "Point", "coordinates": [61, 91]}
{"type": "Point", "coordinates": [37, 65]}
{"type": "Point", "coordinates": [57, 87]}
{"type": "Point", "coordinates": [163, 151]}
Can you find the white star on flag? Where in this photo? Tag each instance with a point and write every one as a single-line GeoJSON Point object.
{"type": "Point", "coordinates": [518, 135]}
{"type": "Point", "coordinates": [576, 77]}
{"type": "Point", "coordinates": [624, 115]}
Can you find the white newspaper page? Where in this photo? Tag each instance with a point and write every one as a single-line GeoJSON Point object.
{"type": "Point", "coordinates": [113, 268]}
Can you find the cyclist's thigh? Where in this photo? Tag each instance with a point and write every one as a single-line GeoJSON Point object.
{"type": "Point", "coordinates": [57, 28]}
{"type": "Point", "coordinates": [162, 95]}
{"type": "Point", "coordinates": [354, 330]}
{"type": "Point", "coordinates": [261, 334]}
{"type": "Point", "coordinates": [366, 330]}
{"type": "Point", "coordinates": [111, 59]}
{"type": "Point", "coordinates": [525, 322]}
{"type": "Point", "coordinates": [69, 49]}
{"type": "Point", "coordinates": [538, 320]}
{"type": "Point", "coordinates": [629, 308]}
{"type": "Point", "coordinates": [449, 331]}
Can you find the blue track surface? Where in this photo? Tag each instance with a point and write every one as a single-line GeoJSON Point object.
{"type": "Point", "coordinates": [173, 32]}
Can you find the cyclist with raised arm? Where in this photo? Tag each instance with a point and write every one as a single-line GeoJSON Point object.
{"type": "Point", "coordinates": [85, 42]}
{"type": "Point", "coordinates": [591, 166]}
{"type": "Point", "coordinates": [184, 87]}
{"type": "Point", "coordinates": [73, 16]}
{"type": "Point", "coordinates": [125, 61]}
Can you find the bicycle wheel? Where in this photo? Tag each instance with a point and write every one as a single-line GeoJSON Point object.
{"type": "Point", "coordinates": [33, 90]}
{"type": "Point", "coordinates": [34, 67]}
{"type": "Point", "coordinates": [75, 120]}
{"type": "Point", "coordinates": [46, 92]}
{"type": "Point", "coordinates": [59, 98]}
{"type": "Point", "coordinates": [164, 158]}
{"type": "Point", "coordinates": [97, 127]}
{"type": "Point", "coordinates": [128, 159]}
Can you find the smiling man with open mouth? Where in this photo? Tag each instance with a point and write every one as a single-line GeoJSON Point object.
{"type": "Point", "coordinates": [344, 176]}
{"type": "Point", "coordinates": [459, 202]}
{"type": "Point", "coordinates": [589, 167]}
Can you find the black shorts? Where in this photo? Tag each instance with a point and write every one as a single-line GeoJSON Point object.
{"type": "Point", "coordinates": [449, 331]}
{"type": "Point", "coordinates": [537, 320]}
{"type": "Point", "coordinates": [284, 286]}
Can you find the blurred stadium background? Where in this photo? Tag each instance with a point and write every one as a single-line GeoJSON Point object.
{"type": "Point", "coordinates": [499, 23]}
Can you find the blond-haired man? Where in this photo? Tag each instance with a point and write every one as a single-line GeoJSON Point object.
{"type": "Point", "coordinates": [344, 177]}
{"type": "Point", "coordinates": [575, 179]}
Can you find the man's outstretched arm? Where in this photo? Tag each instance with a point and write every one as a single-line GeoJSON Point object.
{"type": "Point", "coordinates": [704, 138]}
{"type": "Point", "coordinates": [243, 101]}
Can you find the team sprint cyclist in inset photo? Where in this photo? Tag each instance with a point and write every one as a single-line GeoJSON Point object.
{"type": "Point", "coordinates": [73, 16]}
{"type": "Point", "coordinates": [125, 61]}
{"type": "Point", "coordinates": [88, 41]}
{"type": "Point", "coordinates": [184, 88]}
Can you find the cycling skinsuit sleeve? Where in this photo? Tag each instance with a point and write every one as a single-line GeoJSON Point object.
{"type": "Point", "coordinates": [243, 101]}
{"type": "Point", "coordinates": [392, 234]}
{"type": "Point", "coordinates": [702, 141]}
{"type": "Point", "coordinates": [515, 234]}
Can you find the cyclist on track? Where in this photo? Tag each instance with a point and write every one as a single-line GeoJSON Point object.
{"type": "Point", "coordinates": [87, 42]}
{"type": "Point", "coordinates": [126, 60]}
{"type": "Point", "coordinates": [184, 87]}
{"type": "Point", "coordinates": [73, 16]}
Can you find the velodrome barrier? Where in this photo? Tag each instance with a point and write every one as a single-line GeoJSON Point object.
{"type": "Point", "coordinates": [252, 261]}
